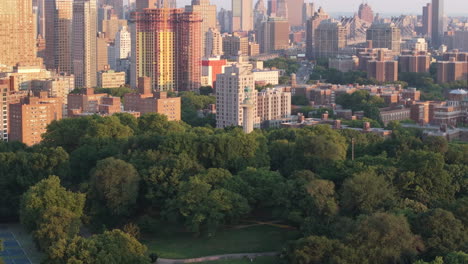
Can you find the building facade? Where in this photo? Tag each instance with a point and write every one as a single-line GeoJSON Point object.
{"type": "Point", "coordinates": [330, 39]}
{"type": "Point", "coordinates": [167, 48]}
{"type": "Point", "coordinates": [274, 35]}
{"type": "Point", "coordinates": [58, 21]}
{"type": "Point", "coordinates": [85, 43]}
{"type": "Point", "coordinates": [207, 12]}
{"type": "Point", "coordinates": [234, 86]}
{"type": "Point", "coordinates": [29, 118]}
{"type": "Point", "coordinates": [17, 38]}
{"type": "Point", "coordinates": [242, 15]}
{"type": "Point", "coordinates": [385, 35]}
{"type": "Point", "coordinates": [145, 101]}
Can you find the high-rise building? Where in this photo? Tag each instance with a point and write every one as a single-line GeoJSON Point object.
{"type": "Point", "coordinates": [58, 20]}
{"type": "Point", "coordinates": [260, 14]}
{"type": "Point", "coordinates": [118, 7]}
{"type": "Point", "coordinates": [29, 118]}
{"type": "Point", "coordinates": [308, 10]}
{"type": "Point", "coordinates": [211, 67]}
{"type": "Point", "coordinates": [437, 22]}
{"type": "Point", "coordinates": [330, 39]}
{"type": "Point", "coordinates": [122, 44]}
{"type": "Point", "coordinates": [365, 13]}
{"type": "Point", "coordinates": [225, 20]}
{"type": "Point", "coordinates": [104, 13]}
{"type": "Point", "coordinates": [214, 43]}
{"type": "Point", "coordinates": [112, 25]}
{"type": "Point", "coordinates": [385, 35]}
{"type": "Point", "coordinates": [234, 45]}
{"type": "Point", "coordinates": [208, 15]}
{"type": "Point", "coordinates": [273, 104]}
{"type": "Point", "coordinates": [17, 39]}
{"type": "Point", "coordinates": [242, 15]}
{"type": "Point", "coordinates": [167, 48]}
{"type": "Point", "coordinates": [427, 20]}
{"type": "Point", "coordinates": [294, 12]}
{"type": "Point", "coordinates": [274, 35]}
{"type": "Point", "coordinates": [453, 67]}
{"type": "Point", "coordinates": [85, 43]}
{"type": "Point", "coordinates": [142, 4]}
{"type": "Point", "coordinates": [234, 86]}
{"type": "Point", "coordinates": [102, 56]}
{"type": "Point", "coordinates": [312, 25]}
{"type": "Point", "coordinates": [460, 40]}
{"type": "Point", "coordinates": [414, 61]}
{"type": "Point", "coordinates": [281, 8]}
{"type": "Point", "coordinates": [381, 69]}
{"type": "Point", "coordinates": [272, 7]}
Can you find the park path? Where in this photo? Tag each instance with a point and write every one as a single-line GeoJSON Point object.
{"type": "Point", "coordinates": [216, 257]}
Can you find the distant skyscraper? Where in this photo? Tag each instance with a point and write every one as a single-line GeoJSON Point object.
{"type": "Point", "coordinates": [274, 35]}
{"type": "Point", "coordinates": [365, 13]}
{"type": "Point", "coordinates": [437, 22]}
{"type": "Point", "coordinates": [260, 13]}
{"type": "Point", "coordinates": [85, 43]}
{"type": "Point", "coordinates": [330, 39]}
{"type": "Point", "coordinates": [112, 25]}
{"type": "Point", "coordinates": [214, 43]}
{"type": "Point", "coordinates": [242, 15]}
{"type": "Point", "coordinates": [312, 25]}
{"type": "Point", "coordinates": [225, 20]}
{"type": "Point", "coordinates": [427, 20]}
{"type": "Point", "coordinates": [166, 3]}
{"type": "Point", "coordinates": [17, 40]}
{"type": "Point", "coordinates": [272, 7]}
{"type": "Point", "coordinates": [142, 4]}
{"type": "Point", "coordinates": [295, 12]}
{"type": "Point", "coordinates": [118, 7]}
{"type": "Point", "coordinates": [208, 14]}
{"type": "Point", "coordinates": [167, 48]}
{"type": "Point", "coordinates": [102, 55]}
{"type": "Point", "coordinates": [123, 45]}
{"type": "Point", "coordinates": [281, 8]}
{"type": "Point", "coordinates": [385, 35]}
{"type": "Point", "coordinates": [58, 20]}
{"type": "Point", "coordinates": [308, 10]}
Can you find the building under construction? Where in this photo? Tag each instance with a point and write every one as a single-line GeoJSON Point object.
{"type": "Point", "coordinates": [168, 48]}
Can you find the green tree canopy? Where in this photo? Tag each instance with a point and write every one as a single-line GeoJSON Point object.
{"type": "Point", "coordinates": [46, 194]}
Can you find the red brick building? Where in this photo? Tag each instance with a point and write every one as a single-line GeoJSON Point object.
{"type": "Point", "coordinates": [145, 101]}
{"type": "Point", "coordinates": [411, 61]}
{"type": "Point", "coordinates": [29, 118]}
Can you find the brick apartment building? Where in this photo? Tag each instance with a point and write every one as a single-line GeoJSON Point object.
{"type": "Point", "coordinates": [29, 118]}
{"type": "Point", "coordinates": [145, 101]}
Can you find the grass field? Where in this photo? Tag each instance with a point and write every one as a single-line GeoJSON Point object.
{"type": "Point", "coordinates": [259, 260]}
{"type": "Point", "coordinates": [174, 244]}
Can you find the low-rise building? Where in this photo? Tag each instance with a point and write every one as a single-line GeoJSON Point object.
{"type": "Point", "coordinates": [264, 77]}
{"type": "Point", "coordinates": [111, 79]}
{"type": "Point", "coordinates": [146, 101]}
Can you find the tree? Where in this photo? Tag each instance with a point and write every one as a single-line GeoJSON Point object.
{"type": "Point", "coordinates": [324, 196]}
{"type": "Point", "coordinates": [57, 223]}
{"type": "Point", "coordinates": [318, 250]}
{"type": "Point", "coordinates": [423, 177]}
{"type": "Point", "coordinates": [45, 195]}
{"type": "Point", "coordinates": [385, 238]}
{"type": "Point", "coordinates": [366, 192]}
{"type": "Point", "coordinates": [110, 247]}
{"type": "Point", "coordinates": [114, 187]}
{"type": "Point", "coordinates": [442, 232]}
{"type": "Point", "coordinates": [456, 258]}
{"type": "Point", "coordinates": [436, 144]}
{"type": "Point", "coordinates": [204, 206]}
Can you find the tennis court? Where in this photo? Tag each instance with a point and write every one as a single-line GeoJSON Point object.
{"type": "Point", "coordinates": [13, 252]}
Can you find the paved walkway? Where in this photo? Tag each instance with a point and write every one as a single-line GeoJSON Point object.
{"type": "Point", "coordinates": [216, 257]}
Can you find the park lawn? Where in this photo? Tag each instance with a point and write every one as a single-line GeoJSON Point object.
{"type": "Point", "coordinates": [259, 260]}
{"type": "Point", "coordinates": [253, 239]}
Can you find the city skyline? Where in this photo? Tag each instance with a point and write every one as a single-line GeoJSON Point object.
{"type": "Point", "coordinates": [379, 6]}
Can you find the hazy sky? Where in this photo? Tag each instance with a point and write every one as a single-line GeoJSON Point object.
{"type": "Point", "coordinates": [379, 6]}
